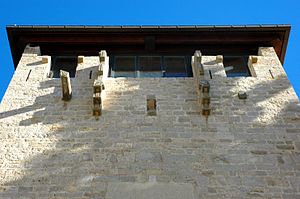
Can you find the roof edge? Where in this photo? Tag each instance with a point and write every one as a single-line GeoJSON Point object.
{"type": "Point", "coordinates": [14, 32]}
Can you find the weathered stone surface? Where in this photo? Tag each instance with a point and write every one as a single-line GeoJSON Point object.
{"type": "Point", "coordinates": [205, 100]}
{"type": "Point", "coordinates": [97, 99]}
{"type": "Point", "coordinates": [244, 149]}
{"type": "Point", "coordinates": [80, 59]}
{"type": "Point", "coordinates": [205, 86]}
{"type": "Point", "coordinates": [102, 56]}
{"type": "Point", "coordinates": [254, 59]}
{"type": "Point", "coordinates": [66, 85]}
{"type": "Point", "coordinates": [198, 56]}
{"type": "Point", "coordinates": [44, 60]}
{"type": "Point", "coordinates": [98, 85]}
{"type": "Point", "coordinates": [219, 59]}
{"type": "Point", "coordinates": [150, 190]}
{"type": "Point", "coordinates": [242, 95]}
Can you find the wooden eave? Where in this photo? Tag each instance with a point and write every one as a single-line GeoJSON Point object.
{"type": "Point", "coordinates": [88, 40]}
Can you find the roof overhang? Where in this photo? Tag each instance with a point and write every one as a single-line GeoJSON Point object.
{"type": "Point", "coordinates": [87, 40]}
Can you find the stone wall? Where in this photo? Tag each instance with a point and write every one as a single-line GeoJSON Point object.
{"type": "Point", "coordinates": [243, 149]}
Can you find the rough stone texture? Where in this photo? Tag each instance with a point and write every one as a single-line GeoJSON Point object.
{"type": "Point", "coordinates": [149, 190]}
{"type": "Point", "coordinates": [55, 149]}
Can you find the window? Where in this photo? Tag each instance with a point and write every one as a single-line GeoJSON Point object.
{"type": "Point", "coordinates": [175, 66]}
{"type": "Point", "coordinates": [66, 63]}
{"type": "Point", "coordinates": [150, 66]}
{"type": "Point", "coordinates": [124, 66]}
{"type": "Point", "coordinates": [236, 66]}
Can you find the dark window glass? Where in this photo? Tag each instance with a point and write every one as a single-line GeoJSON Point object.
{"type": "Point", "coordinates": [175, 66]}
{"type": "Point", "coordinates": [66, 63]}
{"type": "Point", "coordinates": [124, 66]}
{"type": "Point", "coordinates": [149, 66]}
{"type": "Point", "coordinates": [236, 66]}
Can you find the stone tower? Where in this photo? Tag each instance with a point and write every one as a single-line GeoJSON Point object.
{"type": "Point", "coordinates": [211, 129]}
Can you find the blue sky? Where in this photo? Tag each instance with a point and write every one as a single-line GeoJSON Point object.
{"type": "Point", "coordinates": [134, 12]}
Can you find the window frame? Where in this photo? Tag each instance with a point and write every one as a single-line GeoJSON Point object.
{"type": "Point", "coordinates": [137, 67]}
{"type": "Point", "coordinates": [114, 66]}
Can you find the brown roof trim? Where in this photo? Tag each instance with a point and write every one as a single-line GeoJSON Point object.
{"type": "Point", "coordinates": [20, 35]}
{"type": "Point", "coordinates": [128, 28]}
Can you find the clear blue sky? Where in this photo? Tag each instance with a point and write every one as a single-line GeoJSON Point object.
{"type": "Point", "coordinates": [139, 12]}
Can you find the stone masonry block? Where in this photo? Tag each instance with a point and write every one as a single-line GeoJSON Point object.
{"type": "Point", "coordinates": [251, 66]}
{"type": "Point", "coordinates": [219, 59]}
{"type": "Point", "coordinates": [97, 110]}
{"type": "Point", "coordinates": [204, 86]}
{"type": "Point", "coordinates": [97, 99]}
{"type": "Point", "coordinates": [198, 56]}
{"type": "Point", "coordinates": [100, 69]}
{"type": "Point", "coordinates": [254, 59]}
{"type": "Point", "coordinates": [206, 110]}
{"type": "Point", "coordinates": [242, 95]}
{"type": "Point", "coordinates": [66, 85]}
{"type": "Point", "coordinates": [205, 100]}
{"type": "Point", "coordinates": [151, 105]}
{"type": "Point", "coordinates": [98, 86]}
{"type": "Point", "coordinates": [44, 60]}
{"type": "Point", "coordinates": [267, 52]}
{"type": "Point", "coordinates": [80, 59]}
{"type": "Point", "coordinates": [102, 56]}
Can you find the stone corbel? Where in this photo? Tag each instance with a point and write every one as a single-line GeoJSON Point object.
{"type": "Point", "coordinates": [66, 85]}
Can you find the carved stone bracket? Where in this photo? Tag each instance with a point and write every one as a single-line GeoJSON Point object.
{"type": "Point", "coordinates": [66, 85]}
{"type": "Point", "coordinates": [98, 84]}
{"type": "Point", "coordinates": [202, 84]}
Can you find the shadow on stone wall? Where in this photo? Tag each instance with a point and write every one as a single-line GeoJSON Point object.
{"type": "Point", "coordinates": [82, 159]}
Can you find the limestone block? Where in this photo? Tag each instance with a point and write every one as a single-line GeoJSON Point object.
{"type": "Point", "coordinates": [242, 95]}
{"type": "Point", "coordinates": [254, 59]}
{"type": "Point", "coordinates": [97, 99]}
{"type": "Point", "coordinates": [151, 105]}
{"type": "Point", "coordinates": [98, 85]}
{"type": "Point", "coordinates": [250, 66]}
{"type": "Point", "coordinates": [66, 85]}
{"type": "Point", "coordinates": [198, 56]}
{"type": "Point", "coordinates": [219, 59]}
{"type": "Point", "coordinates": [100, 69]}
{"type": "Point", "coordinates": [97, 110]}
{"type": "Point", "coordinates": [44, 60]}
{"type": "Point", "coordinates": [267, 52]}
{"type": "Point", "coordinates": [204, 86]}
{"type": "Point", "coordinates": [102, 56]}
{"type": "Point", "coordinates": [206, 110]}
{"type": "Point", "coordinates": [80, 59]}
{"type": "Point", "coordinates": [151, 112]}
{"type": "Point", "coordinates": [205, 100]}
